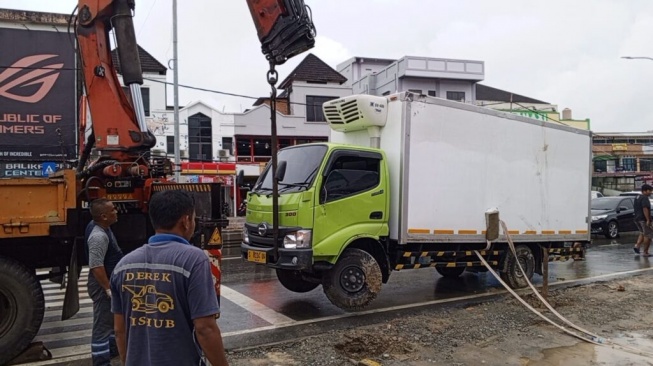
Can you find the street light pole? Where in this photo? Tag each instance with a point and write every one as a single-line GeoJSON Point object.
{"type": "Point", "coordinates": [637, 58]}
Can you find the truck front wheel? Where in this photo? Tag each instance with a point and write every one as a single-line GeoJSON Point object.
{"type": "Point", "coordinates": [293, 281]}
{"type": "Point", "coordinates": [354, 281]}
{"type": "Point", "coordinates": [512, 275]}
{"type": "Point", "coordinates": [22, 307]}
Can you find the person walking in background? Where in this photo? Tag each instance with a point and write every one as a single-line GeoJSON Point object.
{"type": "Point", "coordinates": [643, 221]}
{"type": "Point", "coordinates": [103, 253]}
{"type": "Point", "coordinates": [164, 302]}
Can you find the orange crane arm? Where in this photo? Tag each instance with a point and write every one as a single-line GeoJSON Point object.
{"type": "Point", "coordinates": [118, 125]}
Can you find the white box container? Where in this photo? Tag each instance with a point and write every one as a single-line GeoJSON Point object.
{"type": "Point", "coordinates": [450, 162]}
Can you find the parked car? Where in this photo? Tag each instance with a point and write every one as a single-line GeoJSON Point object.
{"type": "Point", "coordinates": [612, 215]}
{"type": "Point", "coordinates": [634, 194]}
{"type": "Point", "coordinates": [596, 194]}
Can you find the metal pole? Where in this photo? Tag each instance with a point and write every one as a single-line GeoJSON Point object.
{"type": "Point", "coordinates": [176, 92]}
{"type": "Point", "coordinates": [545, 272]}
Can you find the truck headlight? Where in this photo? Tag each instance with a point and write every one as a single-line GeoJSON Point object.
{"type": "Point", "coordinates": [245, 236]}
{"type": "Point", "coordinates": [299, 239]}
{"type": "Point", "coordinates": [599, 217]}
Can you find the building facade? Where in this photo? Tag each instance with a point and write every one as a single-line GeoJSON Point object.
{"type": "Point", "coordinates": [622, 161]}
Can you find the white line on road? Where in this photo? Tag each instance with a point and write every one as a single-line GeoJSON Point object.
{"type": "Point", "coordinates": [68, 336]}
{"type": "Point", "coordinates": [67, 323]}
{"type": "Point", "coordinates": [86, 309]}
{"type": "Point", "coordinates": [255, 307]}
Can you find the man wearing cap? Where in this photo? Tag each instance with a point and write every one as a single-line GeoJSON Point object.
{"type": "Point", "coordinates": [643, 221]}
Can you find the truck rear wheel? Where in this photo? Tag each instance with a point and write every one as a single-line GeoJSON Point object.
{"type": "Point", "coordinates": [21, 308]}
{"type": "Point", "coordinates": [450, 272]}
{"type": "Point", "coordinates": [512, 275]}
{"type": "Point", "coordinates": [293, 281]}
{"type": "Point", "coordinates": [354, 281]}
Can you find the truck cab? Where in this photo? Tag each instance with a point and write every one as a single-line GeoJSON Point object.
{"type": "Point", "coordinates": [332, 196]}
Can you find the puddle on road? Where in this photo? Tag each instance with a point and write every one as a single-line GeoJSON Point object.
{"type": "Point", "coordinates": [589, 354]}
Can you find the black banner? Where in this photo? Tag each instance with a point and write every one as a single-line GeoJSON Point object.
{"type": "Point", "coordinates": [37, 95]}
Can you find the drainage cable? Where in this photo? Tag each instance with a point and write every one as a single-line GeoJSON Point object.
{"type": "Point", "coordinates": [593, 338]}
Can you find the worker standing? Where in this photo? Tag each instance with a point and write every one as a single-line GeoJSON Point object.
{"type": "Point", "coordinates": [164, 301]}
{"type": "Point", "coordinates": [103, 253]}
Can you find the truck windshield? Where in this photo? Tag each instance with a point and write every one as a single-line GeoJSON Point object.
{"type": "Point", "coordinates": [302, 165]}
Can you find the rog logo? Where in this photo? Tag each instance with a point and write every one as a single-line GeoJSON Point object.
{"type": "Point", "coordinates": [23, 73]}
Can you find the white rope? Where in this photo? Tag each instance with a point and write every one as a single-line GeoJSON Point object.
{"type": "Point", "coordinates": [593, 338]}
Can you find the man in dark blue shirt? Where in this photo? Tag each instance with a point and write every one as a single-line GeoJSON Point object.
{"type": "Point", "coordinates": [642, 207]}
{"type": "Point", "coordinates": [164, 301]}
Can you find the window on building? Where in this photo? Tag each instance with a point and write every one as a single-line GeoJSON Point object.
{"type": "Point", "coordinates": [431, 93]}
{"type": "Point", "coordinates": [629, 164]}
{"type": "Point", "coordinates": [244, 149]}
{"type": "Point", "coordinates": [145, 93]}
{"type": "Point", "coordinates": [262, 147]}
{"type": "Point", "coordinates": [227, 144]}
{"type": "Point", "coordinates": [200, 138]}
{"type": "Point", "coordinates": [416, 91]}
{"type": "Point", "coordinates": [259, 149]}
{"type": "Point", "coordinates": [645, 165]}
{"type": "Point", "coordinates": [600, 166]}
{"type": "Point", "coordinates": [170, 144]}
{"type": "Point", "coordinates": [314, 108]}
{"type": "Point", "coordinates": [457, 96]}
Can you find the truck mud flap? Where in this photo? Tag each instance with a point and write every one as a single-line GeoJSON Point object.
{"type": "Point", "coordinates": [444, 259]}
{"type": "Point", "coordinates": [71, 299]}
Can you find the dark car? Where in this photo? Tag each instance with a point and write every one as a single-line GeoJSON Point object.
{"type": "Point", "coordinates": [612, 215]}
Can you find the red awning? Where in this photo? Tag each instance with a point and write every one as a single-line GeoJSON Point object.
{"type": "Point", "coordinates": [208, 168]}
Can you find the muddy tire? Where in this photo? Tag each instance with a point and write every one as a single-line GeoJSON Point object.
{"type": "Point", "coordinates": [22, 307]}
{"type": "Point", "coordinates": [293, 281]}
{"type": "Point", "coordinates": [450, 272]}
{"type": "Point", "coordinates": [513, 276]}
{"type": "Point", "coordinates": [354, 281]}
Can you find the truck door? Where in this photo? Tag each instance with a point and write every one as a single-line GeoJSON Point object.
{"type": "Point", "coordinates": [352, 200]}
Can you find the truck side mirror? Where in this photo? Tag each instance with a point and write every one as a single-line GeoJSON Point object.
{"type": "Point", "coordinates": [240, 178]}
{"type": "Point", "coordinates": [281, 170]}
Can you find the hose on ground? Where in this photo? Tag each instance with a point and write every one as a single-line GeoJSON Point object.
{"type": "Point", "coordinates": [585, 336]}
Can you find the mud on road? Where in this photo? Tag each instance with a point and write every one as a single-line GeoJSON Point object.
{"type": "Point", "coordinates": [497, 332]}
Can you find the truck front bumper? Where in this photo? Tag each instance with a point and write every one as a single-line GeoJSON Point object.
{"type": "Point", "coordinates": [290, 259]}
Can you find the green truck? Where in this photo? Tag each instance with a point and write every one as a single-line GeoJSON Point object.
{"type": "Point", "coordinates": [407, 182]}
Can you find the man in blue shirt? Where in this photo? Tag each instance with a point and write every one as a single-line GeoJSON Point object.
{"type": "Point", "coordinates": [164, 301]}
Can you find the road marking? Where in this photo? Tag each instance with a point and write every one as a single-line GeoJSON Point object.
{"type": "Point", "coordinates": [69, 335]}
{"type": "Point", "coordinates": [255, 307]}
{"type": "Point", "coordinates": [66, 323]}
{"type": "Point", "coordinates": [85, 309]}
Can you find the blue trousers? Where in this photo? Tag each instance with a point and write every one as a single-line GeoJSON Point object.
{"type": "Point", "coordinates": [103, 340]}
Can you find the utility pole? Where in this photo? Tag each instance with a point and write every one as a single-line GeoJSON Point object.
{"type": "Point", "coordinates": [176, 91]}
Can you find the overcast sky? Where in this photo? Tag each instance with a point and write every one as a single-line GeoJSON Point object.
{"type": "Point", "coordinates": [564, 52]}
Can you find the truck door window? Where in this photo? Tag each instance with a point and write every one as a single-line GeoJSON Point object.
{"type": "Point", "coordinates": [350, 175]}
